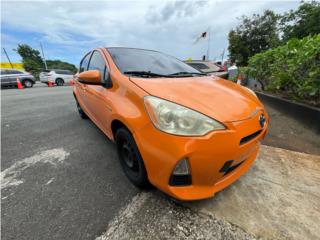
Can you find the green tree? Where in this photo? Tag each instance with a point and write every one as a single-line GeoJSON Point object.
{"type": "Point", "coordinates": [57, 64]}
{"type": "Point", "coordinates": [31, 59]}
{"type": "Point", "coordinates": [292, 70]}
{"type": "Point", "coordinates": [302, 22]}
{"type": "Point", "coordinates": [253, 35]}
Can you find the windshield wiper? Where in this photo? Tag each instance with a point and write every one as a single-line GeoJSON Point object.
{"type": "Point", "coordinates": [145, 73]}
{"type": "Point", "coordinates": [187, 73]}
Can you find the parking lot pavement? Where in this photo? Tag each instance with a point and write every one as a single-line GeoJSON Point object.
{"type": "Point", "coordinates": [60, 175]}
{"type": "Point", "coordinates": [60, 179]}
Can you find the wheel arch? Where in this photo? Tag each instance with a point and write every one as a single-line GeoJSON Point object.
{"type": "Point", "coordinates": [27, 79]}
{"type": "Point", "coordinates": [117, 124]}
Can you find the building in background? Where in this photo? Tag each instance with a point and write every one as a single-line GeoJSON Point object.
{"type": "Point", "coordinates": [14, 65]}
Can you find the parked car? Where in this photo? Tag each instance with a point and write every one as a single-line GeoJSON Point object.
{"type": "Point", "coordinates": [56, 76]}
{"type": "Point", "coordinates": [208, 67]}
{"type": "Point", "coordinates": [8, 77]}
{"type": "Point", "coordinates": [183, 131]}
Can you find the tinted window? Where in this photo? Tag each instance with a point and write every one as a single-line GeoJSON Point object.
{"type": "Point", "coordinates": [129, 59]}
{"type": "Point", "coordinates": [97, 62]}
{"type": "Point", "coordinates": [199, 66]}
{"type": "Point", "coordinates": [65, 72]}
{"type": "Point", "coordinates": [84, 63]}
{"type": "Point", "coordinates": [13, 72]}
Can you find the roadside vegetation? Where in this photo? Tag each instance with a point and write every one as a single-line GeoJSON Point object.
{"type": "Point", "coordinates": [291, 70]}
{"type": "Point", "coordinates": [282, 52]}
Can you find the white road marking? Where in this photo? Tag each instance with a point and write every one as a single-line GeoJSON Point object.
{"type": "Point", "coordinates": [50, 181]}
{"type": "Point", "coordinates": [5, 197]}
{"type": "Point", "coordinates": [118, 223]}
{"type": "Point", "coordinates": [10, 176]}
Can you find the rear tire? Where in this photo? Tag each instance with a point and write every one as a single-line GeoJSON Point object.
{"type": "Point", "coordinates": [59, 82]}
{"type": "Point", "coordinates": [27, 83]}
{"type": "Point", "coordinates": [130, 158]}
{"type": "Point", "coordinates": [82, 114]}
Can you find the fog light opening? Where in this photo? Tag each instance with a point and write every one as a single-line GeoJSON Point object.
{"type": "Point", "coordinates": [181, 175]}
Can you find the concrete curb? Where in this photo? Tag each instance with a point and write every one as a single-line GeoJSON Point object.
{"type": "Point", "coordinates": [309, 116]}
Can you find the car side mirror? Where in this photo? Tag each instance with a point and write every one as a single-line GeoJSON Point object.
{"type": "Point", "coordinates": [90, 77]}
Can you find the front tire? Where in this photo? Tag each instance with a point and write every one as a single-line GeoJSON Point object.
{"type": "Point", "coordinates": [130, 158]}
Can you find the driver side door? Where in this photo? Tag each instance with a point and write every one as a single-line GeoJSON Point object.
{"type": "Point", "coordinates": [81, 87]}
{"type": "Point", "coordinates": [98, 94]}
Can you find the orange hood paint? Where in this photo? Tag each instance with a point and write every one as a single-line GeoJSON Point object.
{"type": "Point", "coordinates": [220, 99]}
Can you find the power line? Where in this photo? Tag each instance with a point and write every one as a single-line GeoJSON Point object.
{"type": "Point", "coordinates": [5, 52]}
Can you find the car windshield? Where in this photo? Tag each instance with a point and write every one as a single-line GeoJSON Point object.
{"type": "Point", "coordinates": [149, 63]}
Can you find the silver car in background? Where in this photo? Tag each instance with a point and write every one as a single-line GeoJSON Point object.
{"type": "Point", "coordinates": [8, 77]}
{"type": "Point", "coordinates": [56, 76]}
{"type": "Point", "coordinates": [209, 67]}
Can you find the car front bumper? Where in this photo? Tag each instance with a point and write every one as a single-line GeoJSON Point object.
{"type": "Point", "coordinates": [207, 155]}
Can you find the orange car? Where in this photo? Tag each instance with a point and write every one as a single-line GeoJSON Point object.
{"type": "Point", "coordinates": [186, 133]}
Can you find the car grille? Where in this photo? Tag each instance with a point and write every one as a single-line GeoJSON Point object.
{"type": "Point", "coordinates": [249, 137]}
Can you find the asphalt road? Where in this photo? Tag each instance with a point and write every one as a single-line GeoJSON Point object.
{"type": "Point", "coordinates": [61, 178]}
{"type": "Point", "coordinates": [77, 192]}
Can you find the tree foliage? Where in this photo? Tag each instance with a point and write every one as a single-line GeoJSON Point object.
{"type": "Point", "coordinates": [293, 70]}
{"type": "Point", "coordinates": [57, 64]}
{"type": "Point", "coordinates": [261, 32]}
{"type": "Point", "coordinates": [31, 59]}
{"type": "Point", "coordinates": [253, 35]}
{"type": "Point", "coordinates": [302, 22]}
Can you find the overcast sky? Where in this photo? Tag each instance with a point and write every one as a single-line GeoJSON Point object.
{"type": "Point", "coordinates": [68, 29]}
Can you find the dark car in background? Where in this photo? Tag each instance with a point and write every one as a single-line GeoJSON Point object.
{"type": "Point", "coordinates": [208, 67]}
{"type": "Point", "coordinates": [8, 78]}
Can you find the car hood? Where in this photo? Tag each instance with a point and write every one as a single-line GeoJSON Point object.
{"type": "Point", "coordinates": [220, 99]}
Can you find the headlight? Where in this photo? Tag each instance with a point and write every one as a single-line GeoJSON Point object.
{"type": "Point", "coordinates": [176, 119]}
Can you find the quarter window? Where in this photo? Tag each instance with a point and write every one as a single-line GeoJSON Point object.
{"type": "Point", "coordinates": [84, 63]}
{"type": "Point", "coordinates": [97, 62]}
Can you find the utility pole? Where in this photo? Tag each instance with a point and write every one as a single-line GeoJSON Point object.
{"type": "Point", "coordinates": [44, 59]}
{"type": "Point", "coordinates": [208, 50]}
{"type": "Point", "coordinates": [222, 56]}
{"type": "Point", "coordinates": [5, 52]}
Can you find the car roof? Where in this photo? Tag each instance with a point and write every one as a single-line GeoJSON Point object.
{"type": "Point", "coordinates": [132, 48]}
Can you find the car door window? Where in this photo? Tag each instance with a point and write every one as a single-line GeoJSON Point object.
{"type": "Point", "coordinates": [9, 72]}
{"type": "Point", "coordinates": [97, 62]}
{"type": "Point", "coordinates": [66, 72]}
{"type": "Point", "coordinates": [3, 72]}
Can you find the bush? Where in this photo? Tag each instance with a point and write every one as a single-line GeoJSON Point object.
{"type": "Point", "coordinates": [292, 70]}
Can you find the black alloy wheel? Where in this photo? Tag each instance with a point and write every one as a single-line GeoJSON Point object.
{"type": "Point", "coordinates": [130, 158]}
